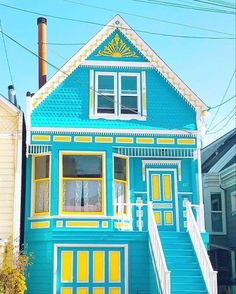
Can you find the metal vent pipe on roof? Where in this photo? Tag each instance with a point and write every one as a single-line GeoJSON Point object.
{"type": "Point", "coordinates": [12, 95]}
{"type": "Point", "coordinates": [42, 50]}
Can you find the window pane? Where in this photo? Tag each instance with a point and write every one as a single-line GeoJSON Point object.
{"type": "Point", "coordinates": [119, 197]}
{"type": "Point", "coordinates": [216, 222]}
{"type": "Point", "coordinates": [42, 196]}
{"type": "Point", "coordinates": [82, 196]}
{"type": "Point", "coordinates": [106, 84]}
{"type": "Point", "coordinates": [106, 104]}
{"type": "Point", "coordinates": [120, 168]}
{"type": "Point", "coordinates": [42, 167]}
{"type": "Point", "coordinates": [82, 166]}
{"type": "Point", "coordinates": [128, 85]}
{"type": "Point", "coordinates": [216, 202]}
{"type": "Point", "coordinates": [129, 104]}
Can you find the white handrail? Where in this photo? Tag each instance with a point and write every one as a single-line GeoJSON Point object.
{"type": "Point", "coordinates": [209, 275]}
{"type": "Point", "coordinates": [158, 254]}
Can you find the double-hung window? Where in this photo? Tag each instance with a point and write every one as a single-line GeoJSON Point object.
{"type": "Point", "coordinates": [217, 213]}
{"type": "Point", "coordinates": [41, 184]}
{"type": "Point", "coordinates": [82, 183]}
{"type": "Point", "coordinates": [118, 95]}
{"type": "Point", "coordinates": [120, 184]}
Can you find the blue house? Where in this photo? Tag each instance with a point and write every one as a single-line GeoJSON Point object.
{"type": "Point", "coordinates": [114, 197]}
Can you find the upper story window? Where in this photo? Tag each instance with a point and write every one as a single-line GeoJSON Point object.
{"type": "Point", "coordinates": [82, 183]}
{"type": "Point", "coordinates": [41, 184]}
{"type": "Point", "coordinates": [217, 213]}
{"type": "Point", "coordinates": [117, 95]}
{"type": "Point", "coordinates": [233, 202]}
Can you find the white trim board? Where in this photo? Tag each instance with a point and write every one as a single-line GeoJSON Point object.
{"type": "Point", "coordinates": [118, 23]}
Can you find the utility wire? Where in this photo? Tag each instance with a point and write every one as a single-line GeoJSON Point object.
{"type": "Point", "coordinates": [147, 17]}
{"type": "Point", "coordinates": [176, 5]}
{"type": "Point", "coordinates": [59, 44]}
{"type": "Point", "coordinates": [6, 54]}
{"type": "Point", "coordinates": [225, 125]}
{"type": "Point", "coordinates": [112, 26]}
{"type": "Point", "coordinates": [226, 91]}
{"type": "Point", "coordinates": [219, 105]}
{"type": "Point", "coordinates": [106, 97]}
{"type": "Point", "coordinates": [215, 4]}
{"type": "Point", "coordinates": [218, 123]}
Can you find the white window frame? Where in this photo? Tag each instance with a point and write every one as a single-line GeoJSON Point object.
{"type": "Point", "coordinates": [117, 96]}
{"type": "Point", "coordinates": [233, 202]}
{"type": "Point", "coordinates": [208, 216]}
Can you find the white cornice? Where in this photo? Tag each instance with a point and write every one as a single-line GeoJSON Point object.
{"type": "Point", "coordinates": [118, 23]}
{"type": "Point", "coordinates": [113, 131]}
{"type": "Point", "coordinates": [104, 63]}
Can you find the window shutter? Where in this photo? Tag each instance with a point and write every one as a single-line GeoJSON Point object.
{"type": "Point", "coordinates": [144, 100]}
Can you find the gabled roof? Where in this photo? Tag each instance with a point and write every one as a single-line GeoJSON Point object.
{"type": "Point", "coordinates": [118, 23]}
{"type": "Point", "coordinates": [6, 104]}
{"type": "Point", "coordinates": [220, 154]}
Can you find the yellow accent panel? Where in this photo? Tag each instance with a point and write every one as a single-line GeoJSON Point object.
{"type": "Point", "coordinates": [82, 291]}
{"type": "Point", "coordinates": [83, 266]}
{"type": "Point", "coordinates": [75, 224]}
{"type": "Point", "coordinates": [157, 216]}
{"type": "Point", "coordinates": [83, 139]}
{"type": "Point", "coordinates": [165, 141]}
{"type": "Point", "coordinates": [61, 138]}
{"type": "Point", "coordinates": [59, 224]}
{"type": "Point", "coordinates": [186, 141]}
{"type": "Point", "coordinates": [41, 138]}
{"type": "Point", "coordinates": [168, 218]}
{"type": "Point", "coordinates": [66, 290]}
{"type": "Point", "coordinates": [124, 140]}
{"type": "Point", "coordinates": [155, 188]}
{"type": "Point", "coordinates": [145, 140]}
{"type": "Point", "coordinates": [105, 224]}
{"type": "Point", "coordinates": [98, 266]}
{"type": "Point", "coordinates": [167, 187]}
{"type": "Point", "coordinates": [114, 290]}
{"type": "Point", "coordinates": [114, 266]}
{"type": "Point", "coordinates": [66, 266]}
{"type": "Point", "coordinates": [40, 225]}
{"type": "Point", "coordinates": [103, 139]}
{"type": "Point", "coordinates": [119, 225]}
{"type": "Point", "coordinates": [98, 291]}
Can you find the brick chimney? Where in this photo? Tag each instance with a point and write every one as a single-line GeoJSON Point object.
{"type": "Point", "coordinates": [42, 50]}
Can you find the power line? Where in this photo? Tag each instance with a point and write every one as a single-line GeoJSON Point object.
{"type": "Point", "coordinates": [226, 91]}
{"type": "Point", "coordinates": [108, 98]}
{"type": "Point", "coordinates": [219, 105]}
{"type": "Point", "coordinates": [147, 17]}
{"type": "Point", "coordinates": [189, 7]}
{"type": "Point", "coordinates": [59, 44]}
{"type": "Point", "coordinates": [215, 4]}
{"type": "Point", "coordinates": [6, 54]}
{"type": "Point", "coordinates": [225, 125]}
{"type": "Point", "coordinates": [233, 110]}
{"type": "Point", "coordinates": [112, 26]}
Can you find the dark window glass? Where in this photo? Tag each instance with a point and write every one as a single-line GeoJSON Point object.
{"type": "Point", "coordinates": [106, 84]}
{"type": "Point", "coordinates": [120, 168]}
{"type": "Point", "coordinates": [42, 167]}
{"type": "Point", "coordinates": [106, 104]}
{"type": "Point", "coordinates": [82, 166]}
{"type": "Point", "coordinates": [129, 85]}
{"type": "Point", "coordinates": [216, 202]}
{"type": "Point", "coordinates": [129, 104]}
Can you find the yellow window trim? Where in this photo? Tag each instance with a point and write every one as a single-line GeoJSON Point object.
{"type": "Point", "coordinates": [102, 154]}
{"type": "Point", "coordinates": [40, 225]}
{"type": "Point", "coordinates": [34, 181]}
{"type": "Point", "coordinates": [45, 138]}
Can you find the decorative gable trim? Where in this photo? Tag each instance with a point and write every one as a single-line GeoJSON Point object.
{"type": "Point", "coordinates": [118, 23]}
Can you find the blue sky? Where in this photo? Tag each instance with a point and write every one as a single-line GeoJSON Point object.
{"type": "Point", "coordinates": [206, 66]}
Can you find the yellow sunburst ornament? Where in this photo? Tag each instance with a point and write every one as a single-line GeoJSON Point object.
{"type": "Point", "coordinates": [117, 48]}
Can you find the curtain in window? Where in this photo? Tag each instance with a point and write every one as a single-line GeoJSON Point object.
{"type": "Point", "coordinates": [42, 192]}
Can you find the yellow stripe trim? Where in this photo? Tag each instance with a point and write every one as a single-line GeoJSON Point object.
{"type": "Point", "coordinates": [145, 140]}
{"type": "Point", "coordinates": [165, 141]}
{"type": "Point", "coordinates": [83, 139]}
{"type": "Point", "coordinates": [167, 187]}
{"type": "Point", "coordinates": [155, 188]}
{"type": "Point", "coordinates": [61, 138]}
{"type": "Point", "coordinates": [114, 290]}
{"type": "Point", "coordinates": [168, 218]}
{"type": "Point", "coordinates": [66, 290]}
{"type": "Point", "coordinates": [124, 140]}
{"type": "Point", "coordinates": [119, 225]}
{"type": "Point", "coordinates": [103, 139]}
{"type": "Point", "coordinates": [186, 141]}
{"type": "Point", "coordinates": [75, 224]}
{"type": "Point", "coordinates": [114, 266]}
{"type": "Point", "coordinates": [66, 266]}
{"type": "Point", "coordinates": [98, 291]}
{"type": "Point", "coordinates": [40, 225]}
{"type": "Point", "coordinates": [157, 216]}
{"type": "Point", "coordinates": [98, 266]}
{"type": "Point", "coordinates": [41, 138]}
{"type": "Point", "coordinates": [82, 290]}
{"type": "Point", "coordinates": [83, 266]}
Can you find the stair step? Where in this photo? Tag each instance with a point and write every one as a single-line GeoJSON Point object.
{"type": "Point", "coordinates": [189, 292]}
{"type": "Point", "coordinates": [186, 273]}
{"type": "Point", "coordinates": [183, 245]}
{"type": "Point", "coordinates": [187, 286]}
{"type": "Point", "coordinates": [186, 279]}
{"type": "Point", "coordinates": [179, 252]}
{"type": "Point", "coordinates": [172, 265]}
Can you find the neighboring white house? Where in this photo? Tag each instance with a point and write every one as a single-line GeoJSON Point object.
{"type": "Point", "coordinates": [11, 132]}
{"type": "Point", "coordinates": [219, 184]}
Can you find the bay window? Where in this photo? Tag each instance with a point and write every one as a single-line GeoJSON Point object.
{"type": "Point", "coordinates": [82, 183]}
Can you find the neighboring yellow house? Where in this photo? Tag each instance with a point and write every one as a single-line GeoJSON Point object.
{"type": "Point", "coordinates": [11, 130]}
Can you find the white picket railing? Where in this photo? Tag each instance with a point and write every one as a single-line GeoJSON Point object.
{"type": "Point", "coordinates": [209, 275]}
{"type": "Point", "coordinates": [158, 254]}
